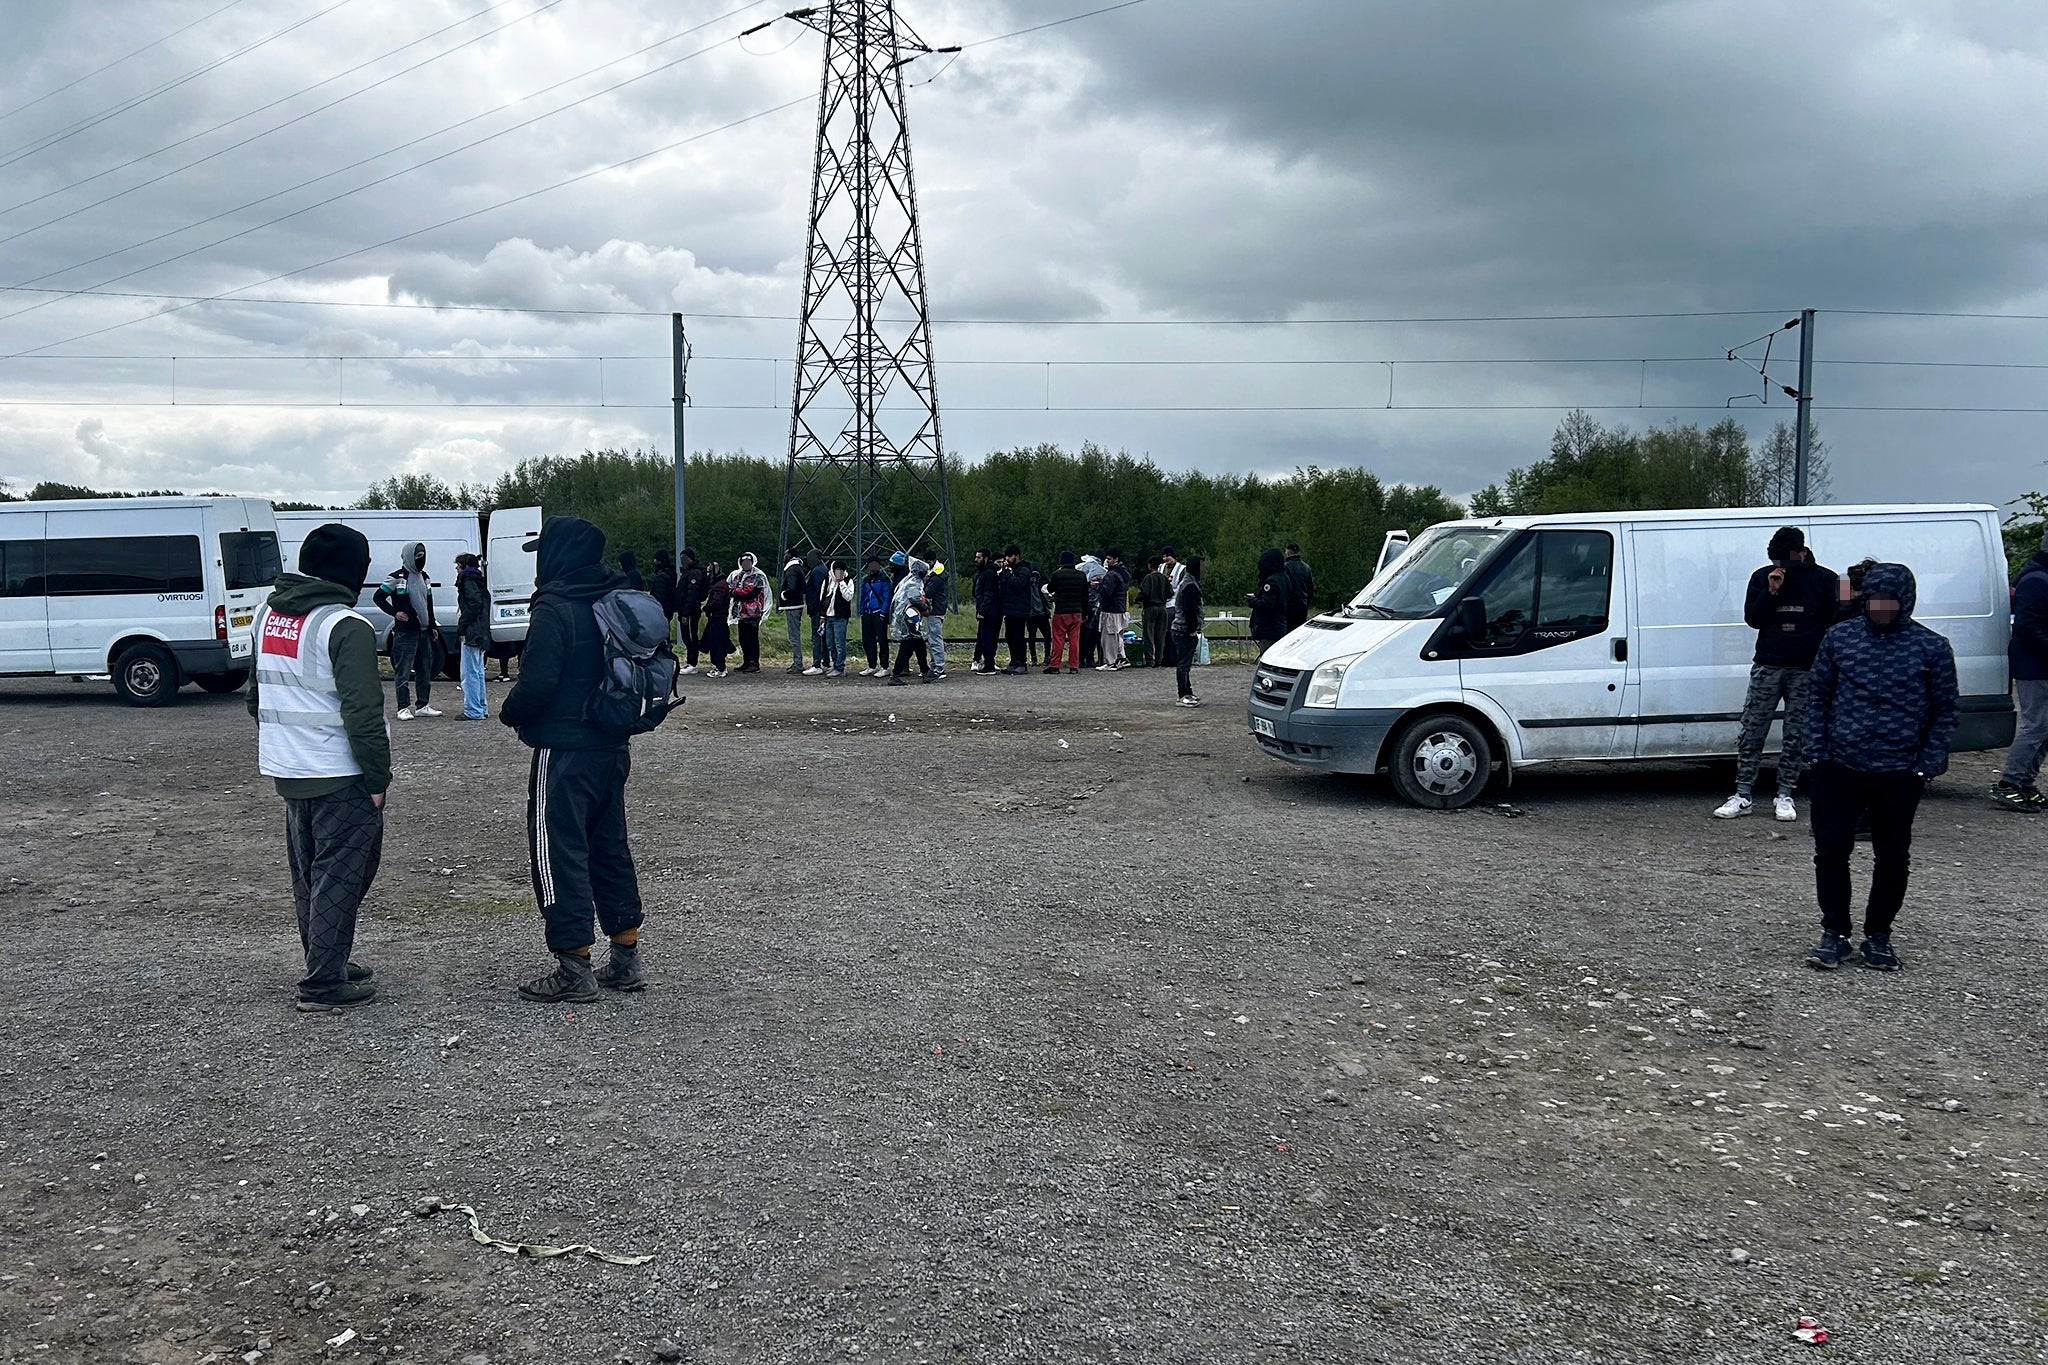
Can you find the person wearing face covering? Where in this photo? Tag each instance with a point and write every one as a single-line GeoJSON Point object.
{"type": "Point", "coordinates": [407, 597]}
{"type": "Point", "coordinates": [1881, 710]}
{"type": "Point", "coordinates": [321, 736]}
{"type": "Point", "coordinates": [576, 783]}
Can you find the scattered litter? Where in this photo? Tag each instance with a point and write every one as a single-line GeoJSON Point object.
{"type": "Point", "coordinates": [451, 1040]}
{"type": "Point", "coordinates": [1509, 812]}
{"type": "Point", "coordinates": [1065, 745]}
{"type": "Point", "coordinates": [1810, 1332]}
{"type": "Point", "coordinates": [1738, 1256]}
{"type": "Point", "coordinates": [348, 1334]}
{"type": "Point", "coordinates": [427, 1208]}
{"type": "Point", "coordinates": [359, 1210]}
{"type": "Point", "coordinates": [892, 717]}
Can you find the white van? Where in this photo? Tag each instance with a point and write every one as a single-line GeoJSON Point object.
{"type": "Point", "coordinates": [1512, 642]}
{"type": "Point", "coordinates": [156, 592]}
{"type": "Point", "coordinates": [446, 534]}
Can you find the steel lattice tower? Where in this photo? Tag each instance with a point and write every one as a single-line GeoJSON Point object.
{"type": "Point", "coordinates": [867, 467]}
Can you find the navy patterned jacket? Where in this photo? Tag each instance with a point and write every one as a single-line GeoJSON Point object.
{"type": "Point", "coordinates": [1883, 699]}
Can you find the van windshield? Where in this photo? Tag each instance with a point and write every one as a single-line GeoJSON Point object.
{"type": "Point", "coordinates": [1428, 575]}
{"type": "Point", "coordinates": [249, 559]}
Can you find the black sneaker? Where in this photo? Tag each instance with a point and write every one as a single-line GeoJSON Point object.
{"type": "Point", "coordinates": [571, 982]}
{"type": "Point", "coordinates": [621, 970]}
{"type": "Point", "coordinates": [1878, 954]}
{"type": "Point", "coordinates": [2035, 798]}
{"type": "Point", "coordinates": [1833, 950]}
{"type": "Point", "coordinates": [1051, 668]}
{"type": "Point", "coordinates": [342, 997]}
{"type": "Point", "coordinates": [356, 972]}
{"type": "Point", "coordinates": [2007, 796]}
{"type": "Point", "coordinates": [896, 680]}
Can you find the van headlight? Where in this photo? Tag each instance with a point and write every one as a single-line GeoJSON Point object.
{"type": "Point", "coordinates": [1327, 680]}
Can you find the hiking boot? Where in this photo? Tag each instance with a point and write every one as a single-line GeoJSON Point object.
{"type": "Point", "coordinates": [621, 970]}
{"type": "Point", "coordinates": [359, 973]}
{"type": "Point", "coordinates": [345, 996]}
{"type": "Point", "coordinates": [1878, 954]}
{"type": "Point", "coordinates": [1832, 951]}
{"type": "Point", "coordinates": [571, 982]}
{"type": "Point", "coordinates": [2025, 800]}
{"type": "Point", "coordinates": [1735, 806]}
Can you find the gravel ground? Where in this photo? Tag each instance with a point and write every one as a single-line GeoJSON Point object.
{"type": "Point", "coordinates": [1008, 1020]}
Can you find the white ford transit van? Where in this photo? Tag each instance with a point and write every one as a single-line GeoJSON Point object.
{"type": "Point", "coordinates": [1510, 642]}
{"type": "Point", "coordinates": [446, 534]}
{"type": "Point", "coordinates": [156, 592]}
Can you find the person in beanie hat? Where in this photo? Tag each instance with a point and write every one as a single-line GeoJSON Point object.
{"type": "Point", "coordinates": [321, 736]}
{"type": "Point", "coordinates": [473, 628]}
{"type": "Point", "coordinates": [1790, 604]}
{"type": "Point", "coordinates": [576, 785]}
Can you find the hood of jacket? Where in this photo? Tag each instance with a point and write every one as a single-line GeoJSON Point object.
{"type": "Point", "coordinates": [407, 579]}
{"type": "Point", "coordinates": [918, 568]}
{"type": "Point", "coordinates": [295, 594]}
{"type": "Point", "coordinates": [567, 545]}
{"type": "Point", "coordinates": [1270, 563]}
{"type": "Point", "coordinates": [1892, 582]}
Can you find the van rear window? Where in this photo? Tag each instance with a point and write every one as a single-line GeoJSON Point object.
{"type": "Point", "coordinates": [250, 559]}
{"type": "Point", "coordinates": [108, 566]}
{"type": "Point", "coordinates": [21, 568]}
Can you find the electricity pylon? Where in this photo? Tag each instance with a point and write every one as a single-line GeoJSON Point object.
{"type": "Point", "coordinates": [867, 467]}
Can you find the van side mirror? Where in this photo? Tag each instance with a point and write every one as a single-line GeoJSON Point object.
{"type": "Point", "coordinates": [1468, 618]}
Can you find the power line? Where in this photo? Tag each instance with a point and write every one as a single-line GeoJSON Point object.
{"type": "Point", "coordinates": [1055, 23]}
{"type": "Point", "coordinates": [109, 66]}
{"type": "Point", "coordinates": [393, 175]}
{"type": "Point", "coordinates": [1110, 408]}
{"type": "Point", "coordinates": [1026, 363]}
{"type": "Point", "coordinates": [30, 149]}
{"type": "Point", "coordinates": [286, 99]}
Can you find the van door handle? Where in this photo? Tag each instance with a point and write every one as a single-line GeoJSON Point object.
{"type": "Point", "coordinates": [1621, 650]}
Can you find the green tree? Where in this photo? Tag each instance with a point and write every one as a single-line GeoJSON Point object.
{"type": "Point", "coordinates": [1775, 464]}
{"type": "Point", "coordinates": [411, 492]}
{"type": "Point", "coordinates": [2026, 529]}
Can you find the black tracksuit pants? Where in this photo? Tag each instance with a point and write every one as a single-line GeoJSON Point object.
{"type": "Point", "coordinates": [1018, 629]}
{"type": "Point", "coordinates": [576, 833]}
{"type": "Point", "coordinates": [874, 639]}
{"type": "Point", "coordinates": [692, 627]}
{"type": "Point", "coordinates": [335, 842]}
{"type": "Point", "coordinates": [987, 629]}
{"type": "Point", "coordinates": [1840, 797]}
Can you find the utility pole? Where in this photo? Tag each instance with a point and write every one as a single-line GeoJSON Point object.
{"type": "Point", "coordinates": [680, 354]}
{"type": "Point", "coordinates": [1803, 446]}
{"type": "Point", "coordinates": [867, 463]}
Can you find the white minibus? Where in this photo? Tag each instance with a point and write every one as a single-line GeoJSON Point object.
{"type": "Point", "coordinates": [156, 592]}
{"type": "Point", "coordinates": [446, 534]}
{"type": "Point", "coordinates": [1511, 642]}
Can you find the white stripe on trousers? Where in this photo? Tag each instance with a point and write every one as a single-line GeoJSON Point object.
{"type": "Point", "coordinates": [543, 864]}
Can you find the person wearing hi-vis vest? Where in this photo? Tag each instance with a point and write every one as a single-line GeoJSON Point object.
{"type": "Point", "coordinates": [322, 736]}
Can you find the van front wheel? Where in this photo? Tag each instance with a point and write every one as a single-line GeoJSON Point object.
{"type": "Point", "coordinates": [146, 675]}
{"type": "Point", "coordinates": [1441, 762]}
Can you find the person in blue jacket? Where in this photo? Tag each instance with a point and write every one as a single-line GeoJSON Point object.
{"type": "Point", "coordinates": [876, 591]}
{"type": "Point", "coordinates": [1881, 710]}
{"type": "Point", "coordinates": [2028, 652]}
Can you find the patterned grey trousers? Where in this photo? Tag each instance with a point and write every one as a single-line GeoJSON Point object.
{"type": "Point", "coordinates": [335, 843]}
{"type": "Point", "coordinates": [1768, 684]}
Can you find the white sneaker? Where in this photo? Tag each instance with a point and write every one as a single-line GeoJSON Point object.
{"type": "Point", "coordinates": [812, 672]}
{"type": "Point", "coordinates": [717, 673]}
{"type": "Point", "coordinates": [425, 711]}
{"type": "Point", "coordinates": [687, 668]}
{"type": "Point", "coordinates": [1732, 807]}
{"type": "Point", "coordinates": [405, 713]}
{"type": "Point", "coordinates": [1784, 809]}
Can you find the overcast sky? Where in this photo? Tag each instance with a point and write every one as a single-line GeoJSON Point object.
{"type": "Point", "coordinates": [1178, 161]}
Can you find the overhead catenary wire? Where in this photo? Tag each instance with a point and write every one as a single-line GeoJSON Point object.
{"type": "Point", "coordinates": [115, 111]}
{"type": "Point", "coordinates": [1023, 408]}
{"type": "Point", "coordinates": [105, 67]}
{"type": "Point", "coordinates": [263, 108]}
{"type": "Point", "coordinates": [401, 171]}
{"type": "Point", "coordinates": [515, 357]}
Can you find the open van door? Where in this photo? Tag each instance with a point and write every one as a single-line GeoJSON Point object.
{"type": "Point", "coordinates": [1390, 550]}
{"type": "Point", "coordinates": [509, 570]}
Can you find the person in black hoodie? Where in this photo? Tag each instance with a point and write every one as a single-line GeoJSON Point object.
{"type": "Point", "coordinates": [1187, 629]}
{"type": "Point", "coordinates": [664, 588]}
{"type": "Point", "coordinates": [692, 584]}
{"type": "Point", "coordinates": [629, 568]}
{"type": "Point", "coordinates": [1269, 601]}
{"type": "Point", "coordinates": [1883, 711]}
{"type": "Point", "coordinates": [988, 613]}
{"type": "Point", "coordinates": [576, 785]}
{"type": "Point", "coordinates": [2028, 652]}
{"type": "Point", "coordinates": [1790, 604]}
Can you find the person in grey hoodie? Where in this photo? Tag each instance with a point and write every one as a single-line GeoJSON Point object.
{"type": "Point", "coordinates": [1881, 710]}
{"type": "Point", "coordinates": [321, 736]}
{"type": "Point", "coordinates": [407, 597]}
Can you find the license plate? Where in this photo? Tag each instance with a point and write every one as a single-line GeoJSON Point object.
{"type": "Point", "coordinates": [246, 620]}
{"type": "Point", "coordinates": [1262, 727]}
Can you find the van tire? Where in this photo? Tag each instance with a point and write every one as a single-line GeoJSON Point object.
{"type": "Point", "coordinates": [1440, 761]}
{"type": "Point", "coordinates": [220, 684]}
{"type": "Point", "coordinates": [146, 675]}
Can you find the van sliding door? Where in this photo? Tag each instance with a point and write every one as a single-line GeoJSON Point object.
{"type": "Point", "coordinates": [24, 611]}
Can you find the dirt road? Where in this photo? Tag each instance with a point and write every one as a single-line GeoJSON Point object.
{"type": "Point", "coordinates": [1008, 1020]}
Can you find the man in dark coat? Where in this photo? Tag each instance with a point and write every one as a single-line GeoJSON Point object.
{"type": "Point", "coordinates": [1790, 604]}
{"type": "Point", "coordinates": [1302, 579]}
{"type": "Point", "coordinates": [1881, 710]}
{"type": "Point", "coordinates": [576, 785]}
{"type": "Point", "coordinates": [692, 584]}
{"type": "Point", "coordinates": [473, 625]}
{"type": "Point", "coordinates": [988, 613]}
{"type": "Point", "coordinates": [2028, 653]}
{"type": "Point", "coordinates": [1014, 592]}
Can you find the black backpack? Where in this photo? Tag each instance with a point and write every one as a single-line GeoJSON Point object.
{"type": "Point", "coordinates": [638, 688]}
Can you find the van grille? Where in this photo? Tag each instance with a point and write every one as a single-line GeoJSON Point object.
{"type": "Point", "coordinates": [1274, 686]}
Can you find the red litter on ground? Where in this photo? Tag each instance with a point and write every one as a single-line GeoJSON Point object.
{"type": "Point", "coordinates": [1811, 1332]}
